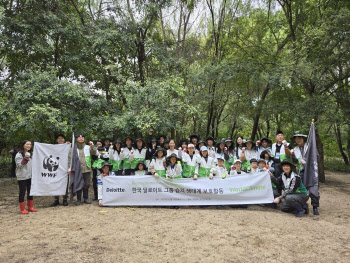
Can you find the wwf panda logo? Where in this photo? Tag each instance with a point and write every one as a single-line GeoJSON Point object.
{"type": "Point", "coordinates": [51, 164]}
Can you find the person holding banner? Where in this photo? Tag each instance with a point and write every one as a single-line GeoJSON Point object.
{"type": "Point", "coordinates": [157, 166]}
{"type": "Point", "coordinates": [295, 194]}
{"type": "Point", "coordinates": [140, 169]}
{"type": "Point", "coordinates": [298, 158]}
{"type": "Point", "coordinates": [24, 175]}
{"type": "Point", "coordinates": [174, 168]}
{"type": "Point", "coordinates": [236, 168]}
{"type": "Point", "coordinates": [60, 139]}
{"type": "Point", "coordinates": [204, 165]}
{"type": "Point", "coordinates": [189, 160]}
{"type": "Point", "coordinates": [105, 170]}
{"type": "Point", "coordinates": [220, 170]}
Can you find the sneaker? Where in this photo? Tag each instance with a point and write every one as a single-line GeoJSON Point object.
{"type": "Point", "coordinates": [78, 202]}
{"type": "Point", "coordinates": [316, 213]}
{"type": "Point", "coordinates": [65, 202]}
{"type": "Point", "coordinates": [87, 201]}
{"type": "Point", "coordinates": [299, 213]}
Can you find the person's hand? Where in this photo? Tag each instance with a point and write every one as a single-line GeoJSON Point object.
{"type": "Point", "coordinates": [302, 161]}
{"type": "Point", "coordinates": [132, 152]}
{"type": "Point", "coordinates": [69, 171]}
{"type": "Point", "coordinates": [67, 142]}
{"type": "Point", "coordinates": [277, 200]}
{"type": "Point", "coordinates": [243, 149]}
{"type": "Point", "coordinates": [100, 202]}
{"type": "Point", "coordinates": [156, 175]}
{"type": "Point", "coordinates": [122, 150]}
{"type": "Point", "coordinates": [258, 143]}
{"type": "Point", "coordinates": [225, 148]}
{"type": "Point", "coordinates": [104, 175]}
{"type": "Point", "coordinates": [179, 148]}
{"type": "Point", "coordinates": [91, 143]}
{"type": "Point", "coordinates": [284, 142]}
{"type": "Point", "coordinates": [154, 146]}
{"type": "Point", "coordinates": [111, 147]}
{"type": "Point", "coordinates": [27, 155]}
{"type": "Point", "coordinates": [195, 177]}
{"type": "Point", "coordinates": [211, 176]}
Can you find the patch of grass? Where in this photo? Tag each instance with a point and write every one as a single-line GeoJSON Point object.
{"type": "Point", "coordinates": [336, 164]}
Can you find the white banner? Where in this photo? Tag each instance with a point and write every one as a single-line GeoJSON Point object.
{"type": "Point", "coordinates": [49, 169]}
{"type": "Point", "coordinates": [150, 191]}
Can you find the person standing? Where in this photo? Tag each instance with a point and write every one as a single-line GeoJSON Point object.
{"type": "Point", "coordinates": [60, 139]}
{"type": "Point", "coordinates": [24, 176]}
{"type": "Point", "coordinates": [280, 151]}
{"type": "Point", "coordinates": [85, 153]}
{"type": "Point", "coordinates": [298, 158]}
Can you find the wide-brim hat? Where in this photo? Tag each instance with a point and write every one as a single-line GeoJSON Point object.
{"type": "Point", "coordinates": [106, 164]}
{"type": "Point", "coordinates": [299, 134]}
{"type": "Point", "coordinates": [253, 160]}
{"type": "Point", "coordinates": [158, 149]}
{"type": "Point", "coordinates": [228, 140]}
{"type": "Point", "coordinates": [138, 164]}
{"type": "Point", "coordinates": [266, 139]}
{"type": "Point", "coordinates": [173, 155]}
{"type": "Point", "coordinates": [194, 136]}
{"type": "Point", "coordinates": [262, 154]}
{"type": "Point", "coordinates": [286, 162]}
{"type": "Point", "coordinates": [249, 140]}
{"type": "Point", "coordinates": [222, 141]}
{"type": "Point", "coordinates": [117, 140]}
{"type": "Point", "coordinates": [128, 137]}
{"type": "Point", "coordinates": [183, 141]}
{"type": "Point", "coordinates": [201, 141]}
{"type": "Point", "coordinates": [140, 139]}
{"type": "Point", "coordinates": [209, 138]}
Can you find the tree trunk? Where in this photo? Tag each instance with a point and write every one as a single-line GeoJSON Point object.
{"type": "Point", "coordinates": [340, 144]}
{"type": "Point", "coordinates": [258, 111]}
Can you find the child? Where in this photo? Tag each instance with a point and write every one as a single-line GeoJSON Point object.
{"type": "Point", "coordinates": [295, 194]}
{"type": "Point", "coordinates": [266, 155]}
{"type": "Point", "coordinates": [211, 148]}
{"type": "Point", "coordinates": [174, 168]}
{"type": "Point", "coordinates": [220, 170]}
{"type": "Point", "coordinates": [139, 153]}
{"type": "Point", "coordinates": [248, 153]}
{"type": "Point", "coordinates": [189, 160]}
{"type": "Point", "coordinates": [253, 166]}
{"type": "Point", "coordinates": [140, 169]}
{"type": "Point", "coordinates": [114, 155]}
{"type": "Point", "coordinates": [166, 144]}
{"type": "Point", "coordinates": [157, 166]}
{"type": "Point", "coordinates": [101, 173]}
{"type": "Point", "coordinates": [263, 145]}
{"type": "Point", "coordinates": [200, 144]}
{"type": "Point", "coordinates": [204, 165]}
{"type": "Point", "coordinates": [125, 156]}
{"type": "Point", "coordinates": [223, 152]}
{"type": "Point", "coordinates": [236, 168]}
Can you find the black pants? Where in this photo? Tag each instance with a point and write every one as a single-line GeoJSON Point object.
{"type": "Point", "coordinates": [24, 185]}
{"type": "Point", "coordinates": [94, 182]}
{"type": "Point", "coordinates": [315, 200]}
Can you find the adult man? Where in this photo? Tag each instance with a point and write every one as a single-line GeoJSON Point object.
{"type": "Point", "coordinates": [298, 158]}
{"type": "Point", "coordinates": [60, 139]}
{"type": "Point", "coordinates": [85, 152]}
{"type": "Point", "coordinates": [280, 151]}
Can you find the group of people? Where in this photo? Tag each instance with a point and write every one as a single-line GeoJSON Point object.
{"type": "Point", "coordinates": [191, 158]}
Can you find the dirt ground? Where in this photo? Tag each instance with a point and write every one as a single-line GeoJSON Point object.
{"type": "Point", "coordinates": [89, 233]}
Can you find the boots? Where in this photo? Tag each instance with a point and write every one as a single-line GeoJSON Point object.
{"type": "Point", "coordinates": [316, 213]}
{"type": "Point", "coordinates": [300, 210]}
{"type": "Point", "coordinates": [306, 208]}
{"type": "Point", "coordinates": [65, 202]}
{"type": "Point", "coordinates": [78, 202]}
{"type": "Point", "coordinates": [86, 196]}
{"type": "Point", "coordinates": [22, 206]}
{"type": "Point", "coordinates": [56, 202]}
{"type": "Point", "coordinates": [30, 206]}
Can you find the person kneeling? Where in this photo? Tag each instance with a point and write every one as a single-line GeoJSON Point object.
{"type": "Point", "coordinates": [295, 194]}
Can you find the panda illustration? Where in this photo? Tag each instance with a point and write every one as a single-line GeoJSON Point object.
{"type": "Point", "coordinates": [50, 163]}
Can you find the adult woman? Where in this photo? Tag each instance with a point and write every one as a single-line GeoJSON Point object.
{"type": "Point", "coordinates": [172, 149]}
{"type": "Point", "coordinates": [24, 176]}
{"type": "Point", "coordinates": [295, 194]}
{"type": "Point", "coordinates": [248, 154]}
